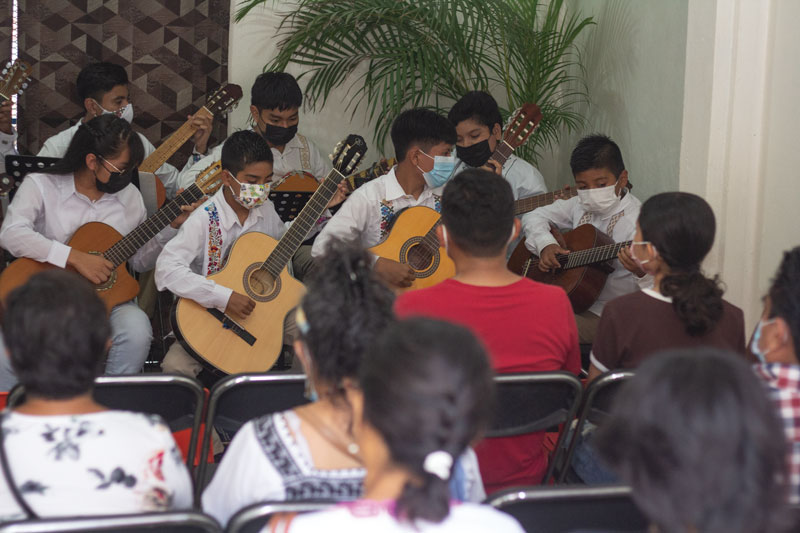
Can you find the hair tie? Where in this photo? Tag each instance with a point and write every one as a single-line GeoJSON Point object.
{"type": "Point", "coordinates": [438, 463]}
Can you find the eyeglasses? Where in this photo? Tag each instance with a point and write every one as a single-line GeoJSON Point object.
{"type": "Point", "coordinates": [110, 163]}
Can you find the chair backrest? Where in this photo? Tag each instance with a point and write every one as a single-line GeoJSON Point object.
{"type": "Point", "coordinates": [598, 398]}
{"type": "Point", "coordinates": [572, 508]}
{"type": "Point", "coordinates": [169, 522]}
{"type": "Point", "coordinates": [177, 399]}
{"type": "Point", "coordinates": [241, 397]}
{"type": "Point", "coordinates": [253, 518]}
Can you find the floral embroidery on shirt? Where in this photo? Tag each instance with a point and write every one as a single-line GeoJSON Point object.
{"type": "Point", "coordinates": [437, 203]}
{"type": "Point", "coordinates": [214, 240]}
{"type": "Point", "coordinates": [387, 217]}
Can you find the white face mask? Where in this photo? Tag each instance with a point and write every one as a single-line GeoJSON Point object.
{"type": "Point", "coordinates": [602, 201]}
{"type": "Point", "coordinates": [125, 113]}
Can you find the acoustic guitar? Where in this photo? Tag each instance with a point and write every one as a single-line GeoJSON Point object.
{"type": "Point", "coordinates": [101, 239]}
{"type": "Point", "coordinates": [583, 271]}
{"type": "Point", "coordinates": [228, 344]}
{"type": "Point", "coordinates": [14, 79]}
{"type": "Point", "coordinates": [412, 236]}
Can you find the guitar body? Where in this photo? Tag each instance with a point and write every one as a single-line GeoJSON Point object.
{"type": "Point", "coordinates": [403, 244]}
{"type": "Point", "coordinates": [582, 284]}
{"type": "Point", "coordinates": [93, 237]}
{"type": "Point", "coordinates": [297, 182]}
{"type": "Point", "coordinates": [203, 334]}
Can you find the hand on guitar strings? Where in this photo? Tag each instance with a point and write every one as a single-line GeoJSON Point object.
{"type": "Point", "coordinates": [239, 305]}
{"type": "Point", "coordinates": [393, 273]}
{"type": "Point", "coordinates": [547, 258]}
{"type": "Point", "coordinates": [493, 166]}
{"type": "Point", "coordinates": [95, 268]}
{"type": "Point", "coordinates": [186, 211]}
{"type": "Point", "coordinates": [200, 137]}
{"type": "Point", "coordinates": [627, 261]}
{"type": "Point", "coordinates": [5, 117]}
{"type": "Point", "coordinates": [340, 195]}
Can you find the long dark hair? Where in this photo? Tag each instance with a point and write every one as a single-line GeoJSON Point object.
{"type": "Point", "coordinates": [346, 308]}
{"type": "Point", "coordinates": [696, 436]}
{"type": "Point", "coordinates": [427, 387]}
{"type": "Point", "coordinates": [681, 226]}
{"type": "Point", "coordinates": [106, 136]}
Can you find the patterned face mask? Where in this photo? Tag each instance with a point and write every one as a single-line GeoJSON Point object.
{"type": "Point", "coordinates": [250, 195]}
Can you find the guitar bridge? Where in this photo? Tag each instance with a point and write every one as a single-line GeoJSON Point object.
{"type": "Point", "coordinates": [235, 327]}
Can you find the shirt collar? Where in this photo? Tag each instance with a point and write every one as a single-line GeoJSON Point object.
{"type": "Point", "coordinates": [227, 216]}
{"type": "Point", "coordinates": [394, 190]}
{"type": "Point", "coordinates": [66, 188]}
{"type": "Point", "coordinates": [657, 295]}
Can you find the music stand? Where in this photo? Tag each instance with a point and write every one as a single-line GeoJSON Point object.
{"type": "Point", "coordinates": [288, 204]}
{"type": "Point", "coordinates": [19, 166]}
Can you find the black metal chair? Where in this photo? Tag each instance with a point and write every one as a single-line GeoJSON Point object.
{"type": "Point", "coordinates": [168, 522]}
{"type": "Point", "coordinates": [253, 518]}
{"type": "Point", "coordinates": [236, 399]}
{"type": "Point", "coordinates": [535, 401]}
{"type": "Point", "coordinates": [179, 400]}
{"type": "Point", "coordinates": [596, 407]}
{"type": "Point", "coordinates": [573, 508]}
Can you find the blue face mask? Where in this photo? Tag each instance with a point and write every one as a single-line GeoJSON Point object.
{"type": "Point", "coordinates": [443, 167]}
{"type": "Point", "coordinates": [754, 347]}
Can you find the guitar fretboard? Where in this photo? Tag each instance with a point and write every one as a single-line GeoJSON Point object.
{"type": "Point", "coordinates": [524, 205]}
{"type": "Point", "coordinates": [173, 143]}
{"type": "Point", "coordinates": [302, 225]}
{"type": "Point", "coordinates": [591, 256]}
{"type": "Point", "coordinates": [126, 247]}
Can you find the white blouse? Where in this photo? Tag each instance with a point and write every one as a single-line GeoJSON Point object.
{"type": "Point", "coordinates": [110, 462]}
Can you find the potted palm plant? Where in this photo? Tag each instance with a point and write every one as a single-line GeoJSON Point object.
{"type": "Point", "coordinates": [396, 54]}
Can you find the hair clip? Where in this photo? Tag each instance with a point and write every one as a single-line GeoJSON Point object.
{"type": "Point", "coordinates": [438, 463]}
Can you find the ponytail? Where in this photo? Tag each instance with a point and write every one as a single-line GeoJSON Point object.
{"type": "Point", "coordinates": [696, 299]}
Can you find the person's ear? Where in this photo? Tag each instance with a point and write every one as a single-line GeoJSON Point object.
{"type": "Point", "coordinates": [622, 182]}
{"type": "Point", "coordinates": [777, 336]}
{"type": "Point", "coordinates": [497, 132]}
{"type": "Point", "coordinates": [91, 162]}
{"type": "Point", "coordinates": [226, 177]}
{"type": "Point", "coordinates": [254, 114]}
{"type": "Point", "coordinates": [516, 231]}
{"type": "Point", "coordinates": [440, 236]}
{"type": "Point", "coordinates": [91, 107]}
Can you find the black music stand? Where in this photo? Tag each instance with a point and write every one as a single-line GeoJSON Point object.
{"type": "Point", "coordinates": [288, 204]}
{"type": "Point", "coordinates": [19, 166]}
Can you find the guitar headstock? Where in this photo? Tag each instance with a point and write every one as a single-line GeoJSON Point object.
{"type": "Point", "coordinates": [348, 154]}
{"type": "Point", "coordinates": [224, 99]}
{"type": "Point", "coordinates": [14, 78]}
{"type": "Point", "coordinates": [522, 124]}
{"type": "Point", "coordinates": [210, 180]}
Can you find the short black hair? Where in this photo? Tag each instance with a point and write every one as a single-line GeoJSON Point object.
{"type": "Point", "coordinates": [784, 294]}
{"type": "Point", "coordinates": [478, 212]}
{"type": "Point", "coordinates": [56, 329]}
{"type": "Point", "coordinates": [427, 387]}
{"type": "Point", "coordinates": [423, 127]}
{"type": "Point", "coordinates": [696, 436]}
{"type": "Point", "coordinates": [276, 90]}
{"type": "Point", "coordinates": [97, 79]}
{"type": "Point", "coordinates": [479, 106]}
{"type": "Point", "coordinates": [343, 280]}
{"type": "Point", "coordinates": [242, 148]}
{"type": "Point", "coordinates": [597, 151]}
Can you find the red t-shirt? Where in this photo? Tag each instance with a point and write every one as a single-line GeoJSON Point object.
{"type": "Point", "coordinates": [526, 327]}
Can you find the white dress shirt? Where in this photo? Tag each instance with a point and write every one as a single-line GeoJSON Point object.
{"type": "Point", "coordinates": [566, 214]}
{"type": "Point", "coordinates": [56, 146]}
{"type": "Point", "coordinates": [366, 215]}
{"type": "Point", "coordinates": [524, 178]}
{"type": "Point", "coordinates": [291, 159]}
{"type": "Point", "coordinates": [8, 146]}
{"type": "Point", "coordinates": [184, 262]}
{"type": "Point", "coordinates": [47, 210]}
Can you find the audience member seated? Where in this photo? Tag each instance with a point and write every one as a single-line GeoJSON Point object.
{"type": "Point", "coordinates": [775, 343]}
{"type": "Point", "coordinates": [67, 455]}
{"type": "Point", "coordinates": [695, 436]}
{"type": "Point", "coordinates": [526, 326]}
{"type": "Point", "coordinates": [425, 394]}
{"type": "Point", "coordinates": [684, 309]}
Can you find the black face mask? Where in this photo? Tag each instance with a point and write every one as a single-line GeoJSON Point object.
{"type": "Point", "coordinates": [278, 135]}
{"type": "Point", "coordinates": [475, 155]}
{"type": "Point", "coordinates": [117, 181]}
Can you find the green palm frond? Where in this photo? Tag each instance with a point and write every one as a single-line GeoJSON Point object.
{"type": "Point", "coordinates": [391, 55]}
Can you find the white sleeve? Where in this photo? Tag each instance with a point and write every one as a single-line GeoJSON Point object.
{"type": "Point", "coordinates": [243, 477]}
{"type": "Point", "coordinates": [348, 224]}
{"type": "Point", "coordinates": [525, 179]}
{"type": "Point", "coordinates": [51, 148]}
{"type": "Point", "coordinates": [17, 234]}
{"type": "Point", "coordinates": [7, 147]}
{"type": "Point", "coordinates": [190, 172]}
{"type": "Point", "coordinates": [536, 224]}
{"type": "Point", "coordinates": [320, 165]}
{"type": "Point", "coordinates": [145, 257]}
{"type": "Point", "coordinates": [173, 270]}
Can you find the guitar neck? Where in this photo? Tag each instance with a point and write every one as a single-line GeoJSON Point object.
{"type": "Point", "coordinates": [524, 205]}
{"type": "Point", "coordinates": [502, 152]}
{"type": "Point", "coordinates": [154, 161]}
{"type": "Point", "coordinates": [353, 181]}
{"type": "Point", "coordinates": [591, 256]}
{"type": "Point", "coordinates": [301, 226]}
{"type": "Point", "coordinates": [125, 248]}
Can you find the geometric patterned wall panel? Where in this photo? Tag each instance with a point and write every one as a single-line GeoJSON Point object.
{"type": "Point", "coordinates": [5, 30]}
{"type": "Point", "coordinates": [175, 53]}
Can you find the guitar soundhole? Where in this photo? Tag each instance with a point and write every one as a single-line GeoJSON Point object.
{"type": "Point", "coordinates": [259, 284]}
{"type": "Point", "coordinates": [107, 284]}
{"type": "Point", "coordinates": [419, 257]}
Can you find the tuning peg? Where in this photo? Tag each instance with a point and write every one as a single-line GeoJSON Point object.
{"type": "Point", "coordinates": [8, 64]}
{"type": "Point", "coordinates": [5, 71]}
{"type": "Point", "coordinates": [25, 85]}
